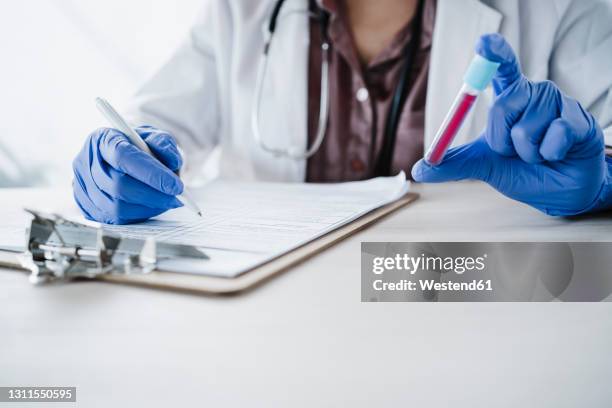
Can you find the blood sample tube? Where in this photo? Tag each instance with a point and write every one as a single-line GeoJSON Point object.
{"type": "Point", "coordinates": [478, 76]}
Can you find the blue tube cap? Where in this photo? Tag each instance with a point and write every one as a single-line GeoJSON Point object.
{"type": "Point", "coordinates": [480, 72]}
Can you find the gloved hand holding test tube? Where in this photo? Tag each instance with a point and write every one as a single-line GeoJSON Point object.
{"type": "Point", "coordinates": [540, 146]}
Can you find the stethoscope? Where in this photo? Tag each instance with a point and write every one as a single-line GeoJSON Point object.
{"type": "Point", "coordinates": [383, 165]}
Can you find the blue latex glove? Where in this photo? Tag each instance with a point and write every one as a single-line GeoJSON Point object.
{"type": "Point", "coordinates": [116, 183]}
{"type": "Point", "coordinates": [540, 147]}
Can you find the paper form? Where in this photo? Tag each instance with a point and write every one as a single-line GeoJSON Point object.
{"type": "Point", "coordinates": [12, 229]}
{"type": "Point", "coordinates": [245, 224]}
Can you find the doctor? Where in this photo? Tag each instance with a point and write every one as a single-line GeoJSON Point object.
{"type": "Point", "coordinates": [352, 89]}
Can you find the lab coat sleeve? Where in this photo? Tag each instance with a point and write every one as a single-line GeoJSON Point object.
{"type": "Point", "coordinates": [182, 96]}
{"type": "Point", "coordinates": [581, 60]}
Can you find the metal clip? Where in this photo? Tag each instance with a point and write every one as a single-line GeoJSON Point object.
{"type": "Point", "coordinates": [62, 249]}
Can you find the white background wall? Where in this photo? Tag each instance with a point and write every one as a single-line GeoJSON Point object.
{"type": "Point", "coordinates": [57, 55]}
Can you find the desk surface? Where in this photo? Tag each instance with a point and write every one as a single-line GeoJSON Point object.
{"type": "Point", "coordinates": [304, 338]}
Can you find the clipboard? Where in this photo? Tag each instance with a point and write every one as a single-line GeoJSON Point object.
{"type": "Point", "coordinates": [211, 285]}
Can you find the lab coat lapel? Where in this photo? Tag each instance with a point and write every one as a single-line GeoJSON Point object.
{"type": "Point", "coordinates": [459, 23]}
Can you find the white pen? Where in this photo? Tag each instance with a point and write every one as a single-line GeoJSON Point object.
{"type": "Point", "coordinates": [120, 124]}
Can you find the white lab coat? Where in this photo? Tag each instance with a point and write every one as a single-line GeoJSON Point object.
{"type": "Point", "coordinates": [204, 93]}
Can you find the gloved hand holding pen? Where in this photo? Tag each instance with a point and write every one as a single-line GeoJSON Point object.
{"type": "Point", "coordinates": [540, 146]}
{"type": "Point", "coordinates": [117, 183]}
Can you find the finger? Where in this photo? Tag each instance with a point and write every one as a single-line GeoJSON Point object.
{"type": "Point", "coordinates": [84, 186]}
{"type": "Point", "coordinates": [495, 48]}
{"type": "Point", "coordinates": [163, 145]}
{"type": "Point", "coordinates": [505, 112]}
{"type": "Point", "coordinates": [513, 92]}
{"type": "Point", "coordinates": [84, 203]}
{"type": "Point", "coordinates": [460, 163]}
{"type": "Point", "coordinates": [106, 209]}
{"type": "Point", "coordinates": [93, 202]}
{"type": "Point", "coordinates": [528, 132]}
{"type": "Point", "coordinates": [557, 141]}
{"type": "Point", "coordinates": [121, 186]}
{"type": "Point", "coordinates": [588, 136]}
{"type": "Point", "coordinates": [115, 149]}
{"type": "Point", "coordinates": [121, 212]}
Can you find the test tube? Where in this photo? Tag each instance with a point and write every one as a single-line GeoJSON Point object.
{"type": "Point", "coordinates": [478, 76]}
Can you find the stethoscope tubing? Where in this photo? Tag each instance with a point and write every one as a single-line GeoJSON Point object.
{"type": "Point", "coordinates": [324, 105]}
{"type": "Point", "coordinates": [292, 153]}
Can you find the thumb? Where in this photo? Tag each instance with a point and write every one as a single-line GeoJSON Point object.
{"type": "Point", "coordinates": [460, 163]}
{"type": "Point", "coordinates": [495, 48]}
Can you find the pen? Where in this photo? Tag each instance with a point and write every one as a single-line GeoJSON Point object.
{"type": "Point", "coordinates": [120, 124]}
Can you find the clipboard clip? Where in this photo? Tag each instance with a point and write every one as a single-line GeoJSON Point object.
{"type": "Point", "coordinates": [61, 249]}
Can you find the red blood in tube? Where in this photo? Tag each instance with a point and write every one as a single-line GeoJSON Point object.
{"type": "Point", "coordinates": [454, 124]}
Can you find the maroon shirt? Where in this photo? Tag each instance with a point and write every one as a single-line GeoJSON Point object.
{"type": "Point", "coordinates": [360, 99]}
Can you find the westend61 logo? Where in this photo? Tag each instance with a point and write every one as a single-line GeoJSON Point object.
{"type": "Point", "coordinates": [407, 265]}
{"type": "Point", "coordinates": [412, 264]}
{"type": "Point", "coordinates": [486, 271]}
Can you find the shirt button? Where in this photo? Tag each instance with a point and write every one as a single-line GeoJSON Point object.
{"type": "Point", "coordinates": [357, 165]}
{"type": "Point", "coordinates": [362, 95]}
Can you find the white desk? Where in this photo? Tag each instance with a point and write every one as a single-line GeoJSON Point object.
{"type": "Point", "coordinates": [304, 338]}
